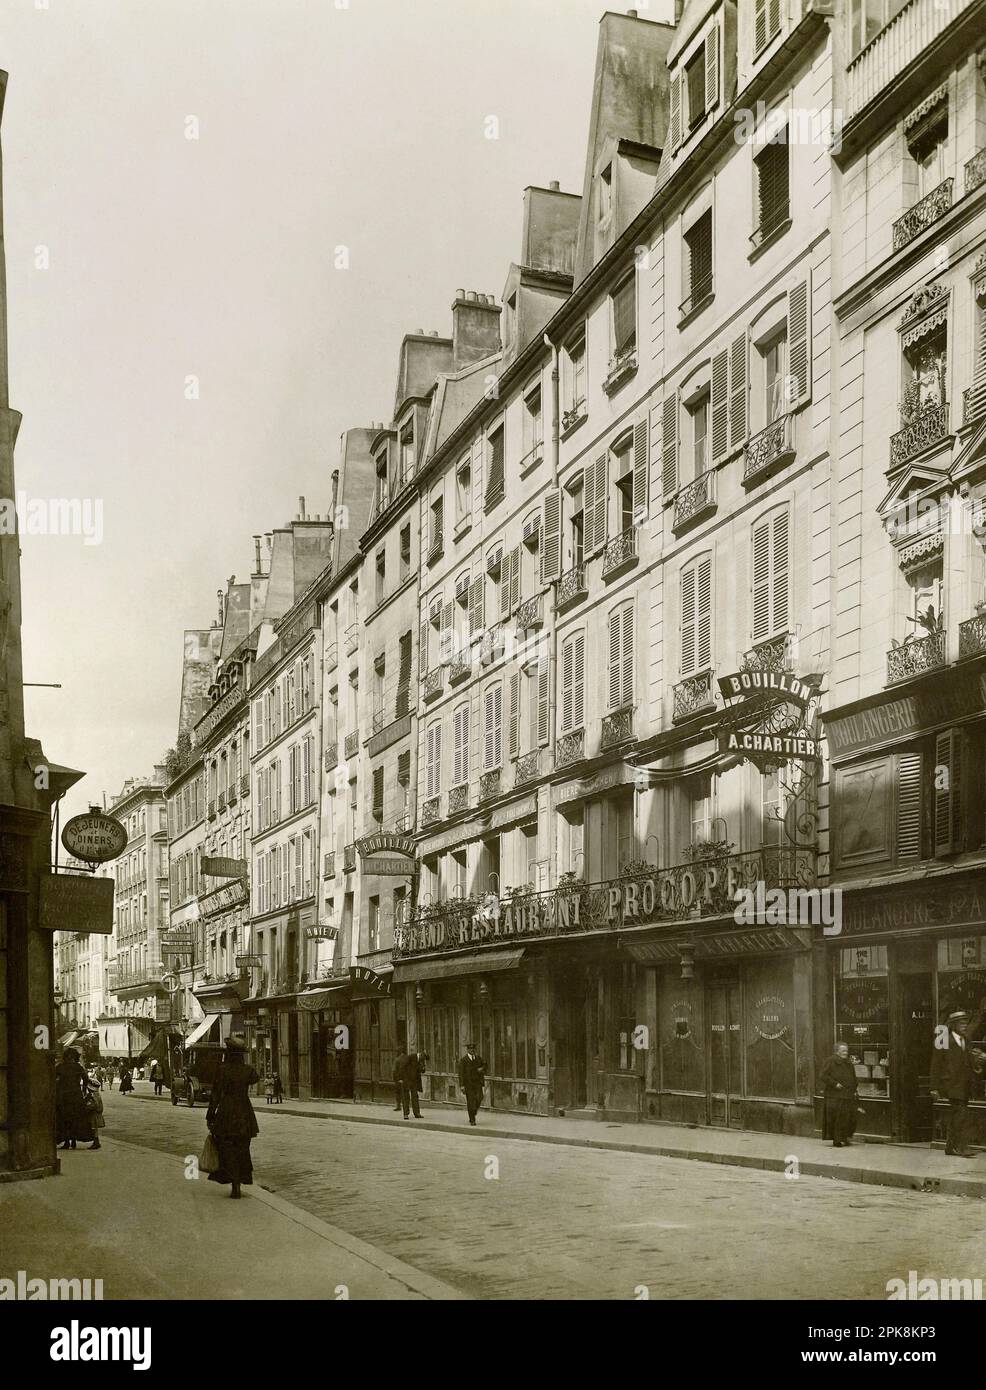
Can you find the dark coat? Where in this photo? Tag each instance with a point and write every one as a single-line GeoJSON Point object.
{"type": "Point", "coordinates": [838, 1079]}
{"type": "Point", "coordinates": [407, 1071]}
{"type": "Point", "coordinates": [73, 1119]}
{"type": "Point", "coordinates": [839, 1086]}
{"type": "Point", "coordinates": [953, 1072]}
{"type": "Point", "coordinates": [230, 1114]}
{"type": "Point", "coordinates": [472, 1073]}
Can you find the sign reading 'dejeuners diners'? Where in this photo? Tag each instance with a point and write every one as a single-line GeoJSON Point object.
{"type": "Point", "coordinates": [746, 684]}
{"type": "Point", "coordinates": [94, 838]}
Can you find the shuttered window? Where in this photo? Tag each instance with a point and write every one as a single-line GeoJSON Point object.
{"type": "Point", "coordinates": [948, 792]}
{"type": "Point", "coordinates": [773, 186]}
{"type": "Point", "coordinates": [799, 340]}
{"type": "Point", "coordinates": [766, 23]}
{"type": "Point", "coordinates": [641, 470]}
{"type": "Point", "coordinates": [378, 795]}
{"type": "Point", "coordinates": [595, 499]}
{"type": "Point", "coordinates": [771, 576]}
{"type": "Point", "coordinates": [621, 657]}
{"type": "Point", "coordinates": [908, 806]}
{"type": "Point", "coordinates": [513, 738]}
{"type": "Point", "coordinates": [494, 464]}
{"type": "Point", "coordinates": [543, 701]}
{"type": "Point", "coordinates": [573, 683]}
{"type": "Point", "coordinates": [460, 746]}
{"type": "Point", "coordinates": [493, 727]}
{"type": "Point", "coordinates": [476, 606]}
{"type": "Point", "coordinates": [433, 760]}
{"type": "Point", "coordinates": [696, 616]}
{"type": "Point", "coordinates": [625, 317]}
{"type": "Point", "coordinates": [510, 582]}
{"type": "Point", "coordinates": [698, 244]}
{"type": "Point", "coordinates": [404, 676]}
{"type": "Point", "coordinates": [551, 531]}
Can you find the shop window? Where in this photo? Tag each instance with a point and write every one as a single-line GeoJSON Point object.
{"type": "Point", "coordinates": [962, 985]}
{"type": "Point", "coordinates": [771, 1032]}
{"type": "Point", "coordinates": [862, 1016]}
{"type": "Point", "coordinates": [681, 1024]}
{"type": "Point", "coordinates": [625, 1008]}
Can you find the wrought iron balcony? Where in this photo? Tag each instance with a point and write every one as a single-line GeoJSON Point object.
{"type": "Point", "coordinates": [770, 449]}
{"type": "Point", "coordinates": [700, 889]}
{"type": "Point", "coordinates": [571, 586]}
{"type": "Point", "coordinates": [620, 552]}
{"type": "Point", "coordinates": [974, 402]}
{"type": "Point", "coordinates": [404, 824]}
{"type": "Point", "coordinates": [694, 695]}
{"type": "Point", "coordinates": [913, 658]}
{"type": "Point", "coordinates": [573, 417]}
{"type": "Point", "coordinates": [527, 768]}
{"type": "Point", "coordinates": [331, 757]}
{"type": "Point", "coordinates": [492, 646]}
{"type": "Point", "coordinates": [221, 801]}
{"type": "Point", "coordinates": [972, 636]}
{"type": "Point", "coordinates": [458, 799]}
{"type": "Point", "coordinates": [379, 720]}
{"type": "Point", "coordinates": [350, 745]}
{"type": "Point", "coordinates": [570, 748]}
{"type": "Point", "coordinates": [433, 682]}
{"type": "Point", "coordinates": [331, 656]}
{"type": "Point", "coordinates": [927, 427]}
{"type": "Point", "coordinates": [212, 810]}
{"type": "Point", "coordinates": [245, 784]}
{"type": "Point", "coordinates": [621, 369]}
{"type": "Point", "coordinates": [923, 214]}
{"type": "Point", "coordinates": [489, 784]}
{"type": "Point", "coordinates": [329, 869]}
{"type": "Point", "coordinates": [695, 501]}
{"type": "Point", "coordinates": [975, 171]}
{"type": "Point", "coordinates": [437, 547]}
{"type": "Point", "coordinates": [617, 727]}
{"type": "Point", "coordinates": [431, 812]}
{"type": "Point", "coordinates": [351, 639]}
{"type": "Point", "coordinates": [233, 794]}
{"type": "Point", "coordinates": [349, 858]}
{"type": "Point", "coordinates": [460, 668]}
{"type": "Point", "coordinates": [771, 655]}
{"type": "Point", "coordinates": [701, 294]}
{"type": "Point", "coordinates": [529, 613]}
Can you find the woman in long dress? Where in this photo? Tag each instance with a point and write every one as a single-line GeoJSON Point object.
{"type": "Point", "coordinates": [230, 1117]}
{"type": "Point", "coordinates": [839, 1084]}
{"type": "Point", "coordinates": [72, 1118]}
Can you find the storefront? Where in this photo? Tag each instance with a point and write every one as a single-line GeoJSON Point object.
{"type": "Point", "coordinates": [326, 1013]}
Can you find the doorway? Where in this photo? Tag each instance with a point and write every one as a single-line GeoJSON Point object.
{"type": "Point", "coordinates": [915, 1031]}
{"type": "Point", "coordinates": [725, 1061]}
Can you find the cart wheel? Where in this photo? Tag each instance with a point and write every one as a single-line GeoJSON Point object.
{"type": "Point", "coordinates": [174, 1098]}
{"type": "Point", "coordinates": [191, 1096]}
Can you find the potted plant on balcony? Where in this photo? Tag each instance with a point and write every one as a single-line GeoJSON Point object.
{"type": "Point", "coordinates": [927, 624]}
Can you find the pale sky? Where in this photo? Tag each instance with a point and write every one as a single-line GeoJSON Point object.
{"type": "Point", "coordinates": [137, 258]}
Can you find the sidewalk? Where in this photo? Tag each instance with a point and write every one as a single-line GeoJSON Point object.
{"type": "Point", "coordinates": [129, 1216]}
{"type": "Point", "coordinates": [888, 1165]}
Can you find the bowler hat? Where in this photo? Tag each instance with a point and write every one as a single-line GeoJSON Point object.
{"type": "Point", "coordinates": [958, 1014]}
{"type": "Point", "coordinates": [470, 1045]}
{"type": "Point", "coordinates": [236, 1042]}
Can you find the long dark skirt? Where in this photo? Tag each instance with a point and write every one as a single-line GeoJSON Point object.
{"type": "Point", "coordinates": [839, 1118]}
{"type": "Point", "coordinates": [234, 1161]}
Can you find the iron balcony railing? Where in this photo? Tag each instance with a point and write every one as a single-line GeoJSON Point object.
{"type": "Point", "coordinates": [620, 551]}
{"type": "Point", "coordinates": [431, 812]}
{"type": "Point", "coordinates": [929, 426]}
{"type": "Point", "coordinates": [702, 888]}
{"type": "Point", "coordinates": [529, 613]}
{"type": "Point", "coordinates": [769, 449]}
{"type": "Point", "coordinates": [694, 695]}
{"type": "Point", "coordinates": [433, 683]}
{"type": "Point", "coordinates": [569, 749]}
{"type": "Point", "coordinates": [575, 414]}
{"type": "Point", "coordinates": [458, 799]}
{"type": "Point", "coordinates": [571, 586]}
{"type": "Point", "coordinates": [329, 870]}
{"type": "Point", "coordinates": [913, 658]}
{"type": "Point", "coordinates": [349, 858]}
{"type": "Point", "coordinates": [696, 500]}
{"type": "Point", "coordinates": [913, 29]}
{"type": "Point", "coordinates": [621, 367]}
{"type": "Point", "coordinates": [972, 636]}
{"type": "Point", "coordinates": [351, 638]}
{"type": "Point", "coordinates": [527, 768]}
{"type": "Point", "coordinates": [923, 214]}
{"type": "Point", "coordinates": [489, 784]}
{"type": "Point", "coordinates": [975, 171]}
{"type": "Point", "coordinates": [350, 745]}
{"type": "Point", "coordinates": [617, 727]}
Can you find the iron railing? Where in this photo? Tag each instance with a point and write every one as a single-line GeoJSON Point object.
{"type": "Point", "coordinates": [928, 427]}
{"type": "Point", "coordinates": [458, 799]}
{"type": "Point", "coordinates": [433, 682]}
{"type": "Point", "coordinates": [571, 586]}
{"type": "Point", "coordinates": [349, 858]}
{"type": "Point", "coordinates": [913, 658]}
{"type": "Point", "coordinates": [350, 745]}
{"type": "Point", "coordinates": [431, 812]}
{"type": "Point", "coordinates": [694, 695]}
{"type": "Point", "coordinates": [972, 636]}
{"type": "Point", "coordinates": [923, 214]}
{"type": "Point", "coordinates": [769, 449]}
{"type": "Point", "coordinates": [620, 551]}
{"type": "Point", "coordinates": [527, 768]}
{"type": "Point", "coordinates": [617, 727]}
{"type": "Point", "coordinates": [695, 500]}
{"type": "Point", "coordinates": [570, 748]}
{"type": "Point", "coordinates": [529, 613]}
{"type": "Point", "coordinates": [489, 784]}
{"type": "Point", "coordinates": [975, 171]}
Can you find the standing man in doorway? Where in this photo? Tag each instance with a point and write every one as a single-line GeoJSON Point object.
{"type": "Point", "coordinates": [409, 1069]}
{"type": "Point", "coordinates": [472, 1079]}
{"type": "Point", "coordinates": [954, 1067]}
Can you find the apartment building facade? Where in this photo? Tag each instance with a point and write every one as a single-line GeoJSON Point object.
{"type": "Point", "coordinates": [141, 913]}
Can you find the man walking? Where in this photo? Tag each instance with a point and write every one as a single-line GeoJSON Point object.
{"type": "Point", "coordinates": [472, 1079]}
{"type": "Point", "coordinates": [953, 1069]}
{"type": "Point", "coordinates": [409, 1069]}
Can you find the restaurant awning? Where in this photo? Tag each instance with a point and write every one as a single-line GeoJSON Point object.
{"type": "Point", "coordinates": [219, 999]}
{"type": "Point", "coordinates": [317, 999]}
{"type": "Point", "coordinates": [201, 1030]}
{"type": "Point", "coordinates": [476, 963]}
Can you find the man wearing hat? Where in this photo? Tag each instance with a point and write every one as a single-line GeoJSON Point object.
{"type": "Point", "coordinates": [953, 1069]}
{"type": "Point", "coordinates": [472, 1079]}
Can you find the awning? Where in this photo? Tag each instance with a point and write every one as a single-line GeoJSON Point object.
{"type": "Point", "coordinates": [69, 1038]}
{"type": "Point", "coordinates": [480, 963]}
{"type": "Point", "coordinates": [201, 1030]}
{"type": "Point", "coordinates": [219, 999]}
{"type": "Point", "coordinates": [317, 999]}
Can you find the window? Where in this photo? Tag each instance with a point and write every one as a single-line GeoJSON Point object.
{"type": "Point", "coordinates": [529, 854]}
{"type": "Point", "coordinates": [695, 88]}
{"type": "Point", "coordinates": [767, 23]}
{"type": "Point", "coordinates": [696, 616]}
{"type": "Point", "coordinates": [381, 498]}
{"type": "Point", "coordinates": [379, 691]}
{"type": "Point", "coordinates": [460, 746]}
{"type": "Point", "coordinates": [494, 464]}
{"type": "Point", "coordinates": [575, 376]}
{"type": "Point", "coordinates": [927, 143]}
{"type": "Point", "coordinates": [493, 728]}
{"type": "Point", "coordinates": [698, 261]}
{"type": "Point", "coordinates": [533, 425]}
{"type": "Point", "coordinates": [573, 682]}
{"type": "Point", "coordinates": [771, 576]}
{"type": "Point", "coordinates": [771, 809]}
{"type": "Point", "coordinates": [771, 170]}
{"type": "Point", "coordinates": [433, 760]}
{"type": "Point", "coordinates": [373, 924]}
{"type": "Point", "coordinates": [576, 525]}
{"type": "Point", "coordinates": [866, 19]}
{"type": "Point", "coordinates": [624, 302]}
{"type": "Point", "coordinates": [489, 865]}
{"type": "Point", "coordinates": [621, 657]}
{"type": "Point", "coordinates": [377, 805]}
{"type": "Point", "coordinates": [463, 490]}
{"type": "Point", "coordinates": [405, 562]}
{"type": "Point", "coordinates": [698, 793]}
{"type": "Point", "coordinates": [407, 452]}
{"type": "Point", "coordinates": [698, 417]}
{"type": "Point", "coordinates": [623, 486]}
{"type": "Point", "coordinates": [381, 575]}
{"type": "Point", "coordinates": [437, 525]}
{"type": "Point", "coordinates": [925, 372]}
{"type": "Point", "coordinates": [404, 675]}
{"type": "Point", "coordinates": [773, 366]}
{"type": "Point", "coordinates": [403, 785]}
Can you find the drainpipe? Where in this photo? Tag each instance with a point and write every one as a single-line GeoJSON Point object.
{"type": "Point", "coordinates": [555, 450]}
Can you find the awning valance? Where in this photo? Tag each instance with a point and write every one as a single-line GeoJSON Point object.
{"type": "Point", "coordinates": [318, 999]}
{"type": "Point", "coordinates": [477, 963]}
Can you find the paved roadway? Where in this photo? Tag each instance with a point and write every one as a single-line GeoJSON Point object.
{"type": "Point", "coordinates": [568, 1223]}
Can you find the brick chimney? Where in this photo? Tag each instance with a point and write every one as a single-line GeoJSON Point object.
{"type": "Point", "coordinates": [475, 327]}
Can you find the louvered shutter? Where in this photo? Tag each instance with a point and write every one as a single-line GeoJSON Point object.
{"type": "Point", "coordinates": [737, 392]}
{"type": "Point", "coordinates": [626, 656]}
{"type": "Point", "coordinates": [761, 581]}
{"type": "Point", "coordinates": [378, 793]}
{"type": "Point", "coordinates": [615, 652]}
{"type": "Point", "coordinates": [567, 683]}
{"type": "Point", "coordinates": [551, 537]}
{"type": "Point", "coordinates": [669, 445]}
{"type": "Point", "coordinates": [445, 637]}
{"type": "Point", "coordinates": [688, 622]}
{"type": "Point", "coordinates": [476, 615]}
{"type": "Point", "coordinates": [711, 68]}
{"type": "Point", "coordinates": [423, 650]}
{"type": "Point", "coordinates": [948, 771]}
{"type": "Point", "coordinates": [258, 724]}
{"type": "Point", "coordinates": [640, 468]}
{"type": "Point", "coordinates": [780, 582]}
{"type": "Point", "coordinates": [760, 25]}
{"type": "Point", "coordinates": [425, 525]}
{"type": "Point", "coordinates": [798, 336]}
{"type": "Point", "coordinates": [908, 806]}
{"type": "Point", "coordinates": [674, 129]}
{"type": "Point", "coordinates": [506, 571]}
{"type": "Point", "coordinates": [703, 613]}
{"type": "Point", "coordinates": [595, 517]}
{"type": "Point", "coordinates": [578, 680]}
{"type": "Point", "coordinates": [460, 735]}
{"type": "Point", "coordinates": [544, 701]}
{"type": "Point", "coordinates": [515, 579]}
{"type": "Point", "coordinates": [601, 489]}
{"type": "Point", "coordinates": [720, 405]}
{"type": "Point", "coordinates": [492, 727]}
{"type": "Point", "coordinates": [514, 734]}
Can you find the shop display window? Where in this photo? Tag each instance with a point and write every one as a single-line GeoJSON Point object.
{"type": "Point", "coordinates": [681, 1024]}
{"type": "Point", "coordinates": [770, 1033]}
{"type": "Point", "coordinates": [962, 985]}
{"type": "Point", "coordinates": [862, 1017]}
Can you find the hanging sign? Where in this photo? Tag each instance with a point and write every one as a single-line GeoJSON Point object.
{"type": "Point", "coordinates": [94, 838]}
{"type": "Point", "coordinates": [780, 746]}
{"type": "Point", "coordinates": [76, 903]}
{"type": "Point", "coordinates": [369, 979]}
{"type": "Point", "coordinates": [747, 684]}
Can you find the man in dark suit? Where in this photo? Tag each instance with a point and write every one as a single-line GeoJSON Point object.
{"type": "Point", "coordinates": [954, 1068]}
{"type": "Point", "coordinates": [472, 1079]}
{"type": "Point", "coordinates": [409, 1072]}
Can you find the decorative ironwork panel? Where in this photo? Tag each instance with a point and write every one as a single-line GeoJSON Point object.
{"type": "Point", "coordinates": [972, 636]}
{"type": "Point", "coordinates": [975, 171]}
{"type": "Point", "coordinates": [928, 427]}
{"type": "Point", "coordinates": [431, 811]}
{"type": "Point", "coordinates": [697, 497]}
{"type": "Point", "coordinates": [331, 757]}
{"type": "Point", "coordinates": [489, 784]}
{"type": "Point", "coordinates": [244, 784]}
{"type": "Point", "coordinates": [572, 585]}
{"type": "Point", "coordinates": [459, 669]}
{"type": "Point", "coordinates": [923, 654]}
{"type": "Point", "coordinates": [529, 613]}
{"type": "Point", "coordinates": [221, 801]}
{"type": "Point", "coordinates": [433, 682]}
{"type": "Point", "coordinates": [693, 695]}
{"type": "Point", "coordinates": [570, 748]}
{"type": "Point", "coordinates": [974, 402]}
{"type": "Point", "coordinates": [351, 641]}
{"type": "Point", "coordinates": [619, 550]}
{"type": "Point", "coordinates": [349, 858]}
{"type": "Point", "coordinates": [617, 727]}
{"type": "Point", "coordinates": [528, 768]}
{"type": "Point", "coordinates": [768, 448]}
{"type": "Point", "coordinates": [770, 656]}
{"type": "Point", "coordinates": [923, 214]}
{"type": "Point", "coordinates": [458, 799]}
{"type": "Point", "coordinates": [351, 745]}
{"type": "Point", "coordinates": [330, 864]}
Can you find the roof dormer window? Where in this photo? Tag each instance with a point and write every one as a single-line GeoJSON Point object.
{"type": "Point", "coordinates": [694, 88]}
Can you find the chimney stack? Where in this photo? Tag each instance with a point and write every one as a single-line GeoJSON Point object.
{"type": "Point", "coordinates": [301, 509]}
{"type": "Point", "coordinates": [219, 595]}
{"type": "Point", "coordinates": [256, 548]}
{"type": "Point", "coordinates": [475, 327]}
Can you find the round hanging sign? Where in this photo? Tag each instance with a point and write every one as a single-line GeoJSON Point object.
{"type": "Point", "coordinates": [94, 837]}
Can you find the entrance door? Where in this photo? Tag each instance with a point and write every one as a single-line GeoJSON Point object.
{"type": "Point", "coordinates": [916, 1034]}
{"type": "Point", "coordinates": [725, 1071]}
{"type": "Point", "coordinates": [293, 1055]}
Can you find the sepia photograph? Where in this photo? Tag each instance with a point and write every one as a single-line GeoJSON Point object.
{"type": "Point", "coordinates": [492, 667]}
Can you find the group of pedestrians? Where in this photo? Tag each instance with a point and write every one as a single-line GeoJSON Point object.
{"type": "Point", "coordinates": [409, 1070]}
{"type": "Point", "coordinates": [78, 1104]}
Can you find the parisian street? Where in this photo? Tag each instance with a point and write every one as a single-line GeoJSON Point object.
{"type": "Point", "coordinates": [565, 1223]}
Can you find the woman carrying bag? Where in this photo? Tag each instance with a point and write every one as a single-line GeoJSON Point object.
{"type": "Point", "coordinates": [231, 1120]}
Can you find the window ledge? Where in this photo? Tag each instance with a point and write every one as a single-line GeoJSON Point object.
{"type": "Point", "coordinates": [573, 423]}
{"type": "Point", "coordinates": [620, 373]}
{"type": "Point", "coordinates": [768, 239]}
{"type": "Point", "coordinates": [494, 499]}
{"type": "Point", "coordinates": [462, 528]}
{"type": "Point", "coordinates": [531, 461]}
{"type": "Point", "coordinates": [686, 315]}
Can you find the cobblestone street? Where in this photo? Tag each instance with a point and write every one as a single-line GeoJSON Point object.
{"type": "Point", "coordinates": [566, 1223]}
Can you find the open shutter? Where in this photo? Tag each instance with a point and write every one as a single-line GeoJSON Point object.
{"type": "Point", "coordinates": [567, 683]}
{"type": "Point", "coordinates": [948, 777]}
{"type": "Point", "coordinates": [489, 734]}
{"type": "Point", "coordinates": [514, 735]}
{"type": "Point", "coordinates": [760, 25]}
{"type": "Point", "coordinates": [506, 569]}
{"type": "Point", "coordinates": [595, 504]}
{"type": "Point", "coordinates": [476, 614]}
{"type": "Point", "coordinates": [712, 68]}
{"type": "Point", "coordinates": [908, 806]}
{"type": "Point", "coordinates": [720, 405]}
{"type": "Point", "coordinates": [544, 696]}
{"type": "Point", "coordinates": [703, 613]}
{"type": "Point", "coordinates": [551, 537]}
{"type": "Point", "coordinates": [515, 579]}
{"type": "Point", "coordinates": [669, 445]}
{"type": "Point", "coordinates": [626, 656]}
{"type": "Point", "coordinates": [640, 466]}
{"type": "Point", "coordinates": [674, 132]}
{"type": "Point", "coordinates": [738, 388]}
{"type": "Point", "coordinates": [781, 572]}
{"type": "Point", "coordinates": [578, 680]}
{"type": "Point", "coordinates": [761, 581]}
{"type": "Point", "coordinates": [445, 636]}
{"type": "Point", "coordinates": [688, 622]}
{"type": "Point", "coordinates": [425, 524]}
{"type": "Point", "coordinates": [615, 652]}
{"type": "Point", "coordinates": [799, 355]}
{"type": "Point", "coordinates": [423, 650]}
